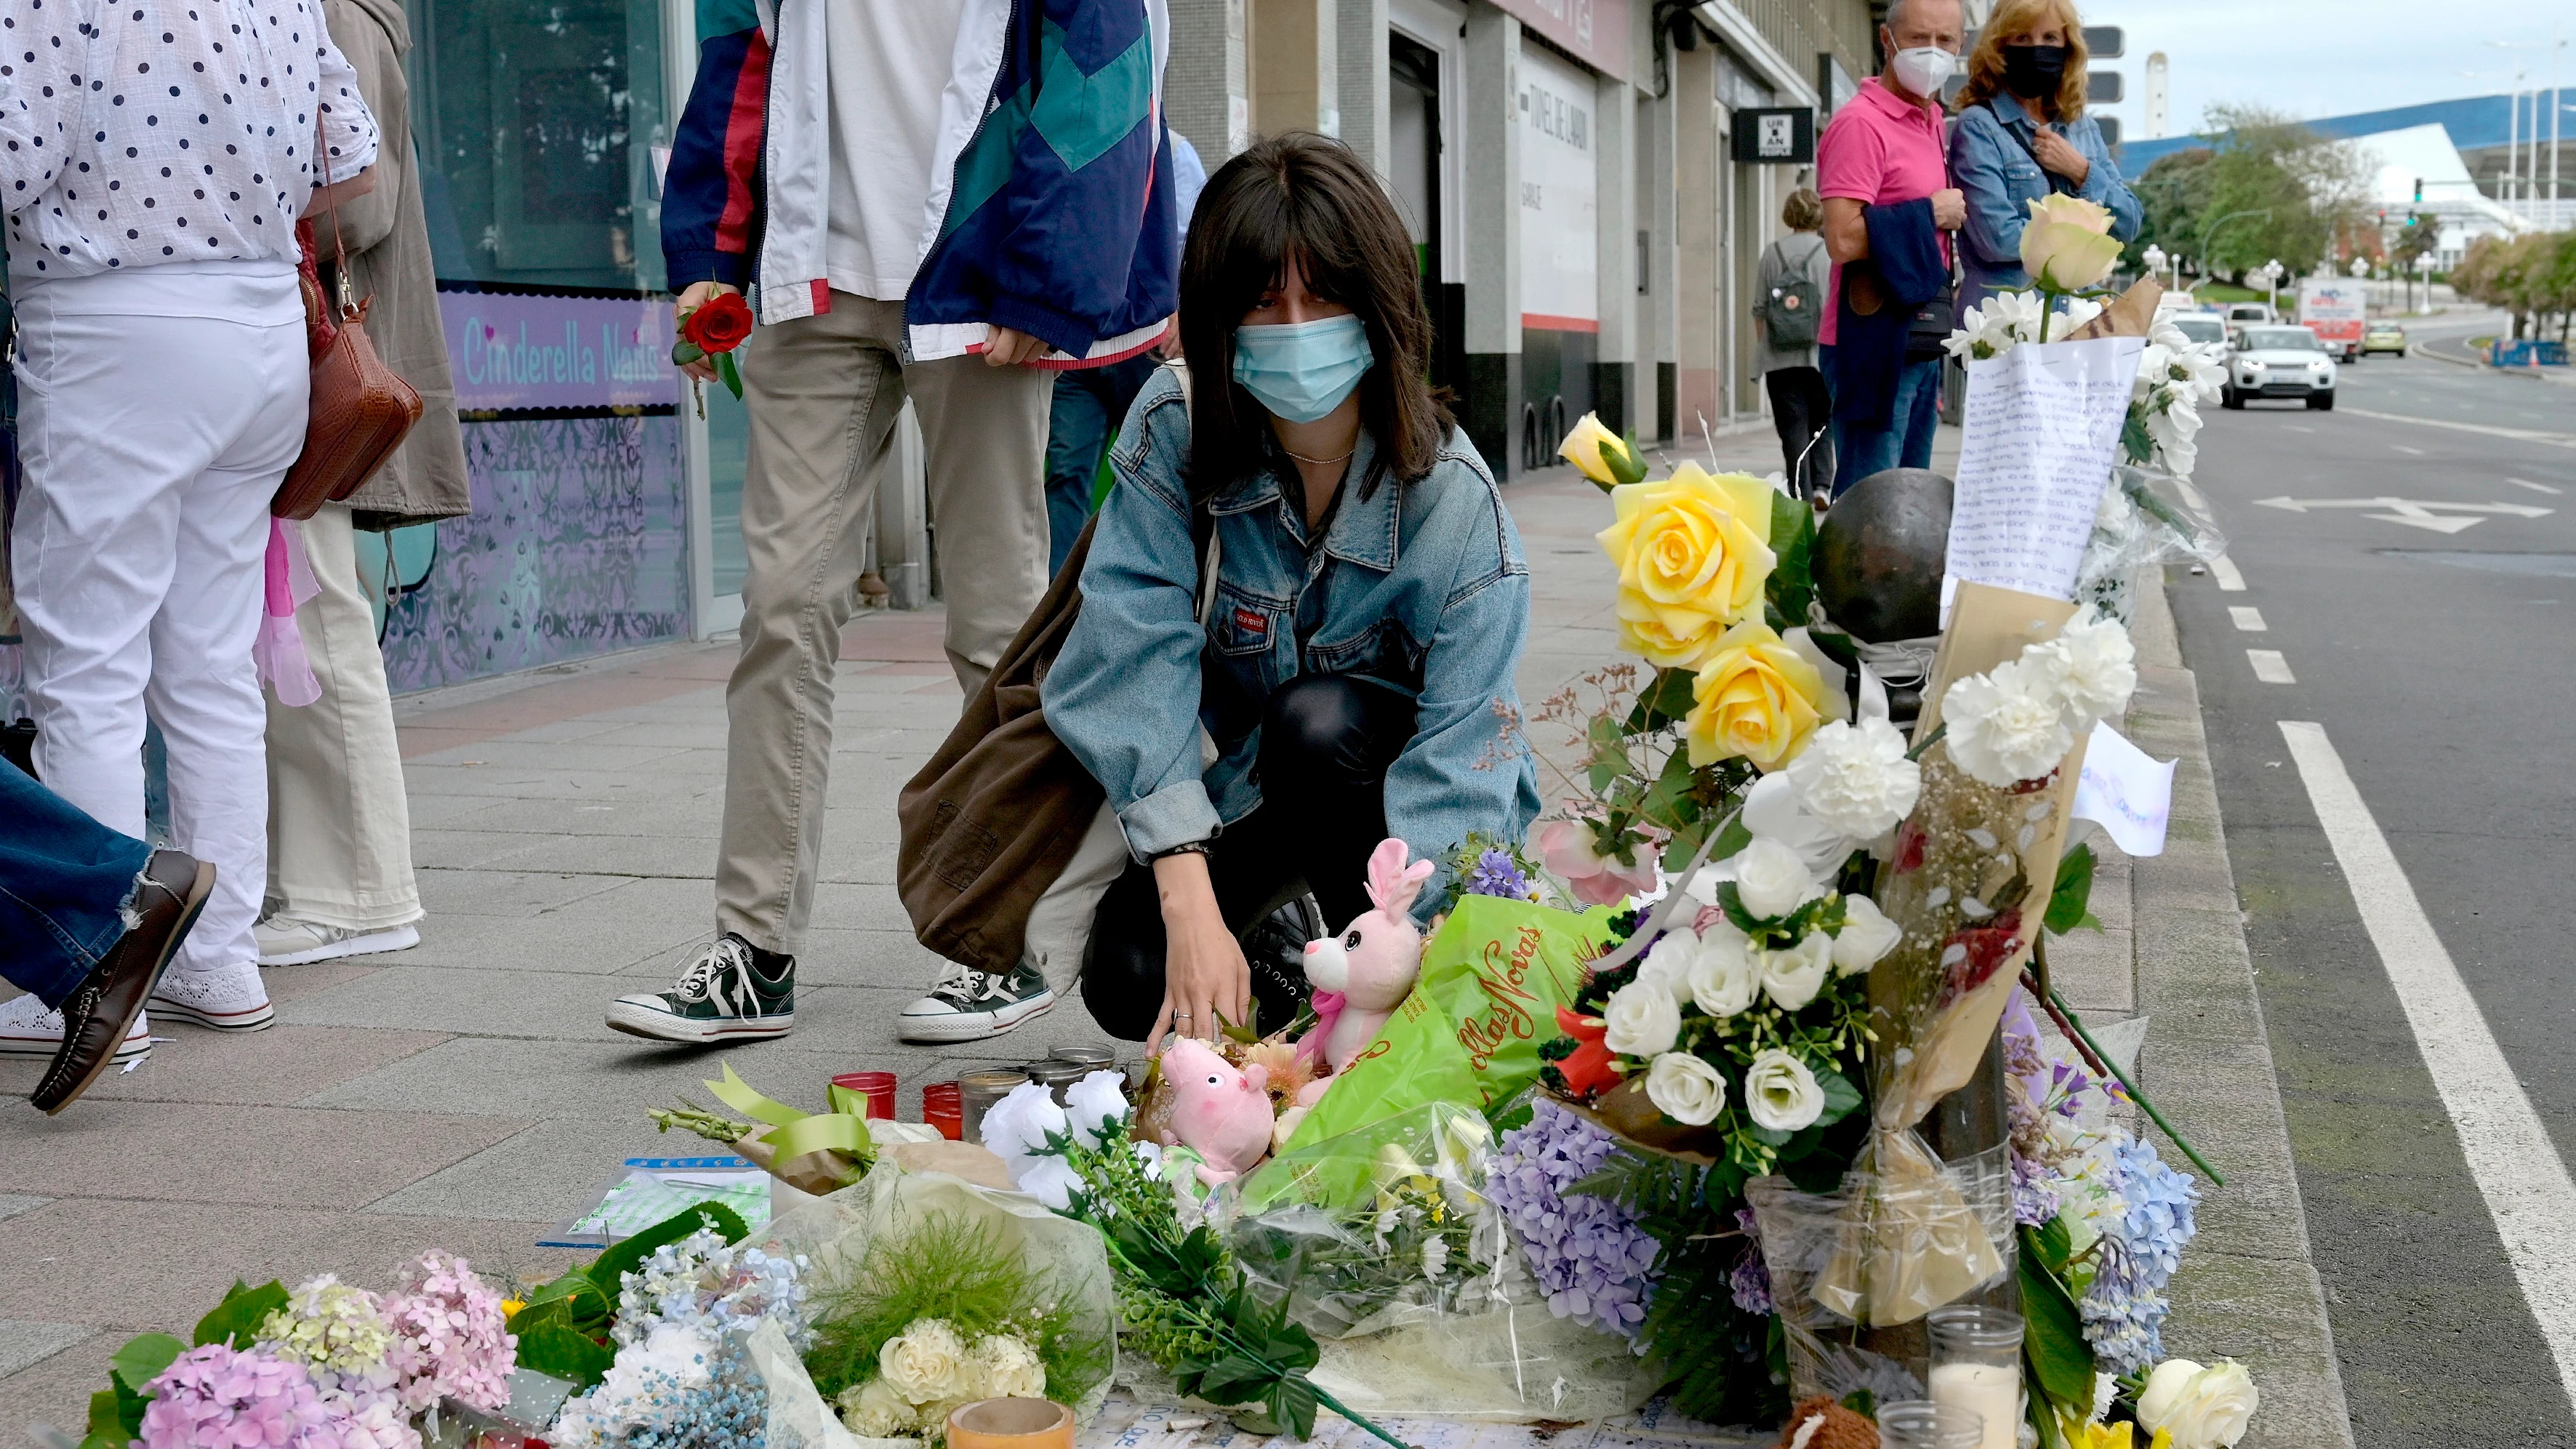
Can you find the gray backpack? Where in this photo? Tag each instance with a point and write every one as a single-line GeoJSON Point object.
{"type": "Point", "coordinates": [1791, 312]}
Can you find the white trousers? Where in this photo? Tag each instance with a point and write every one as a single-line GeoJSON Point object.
{"type": "Point", "coordinates": [158, 409]}
{"type": "Point", "coordinates": [339, 841]}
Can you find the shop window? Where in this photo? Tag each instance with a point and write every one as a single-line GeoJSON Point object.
{"type": "Point", "coordinates": [540, 127]}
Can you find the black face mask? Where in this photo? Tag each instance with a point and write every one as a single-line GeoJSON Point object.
{"type": "Point", "coordinates": [2033, 71]}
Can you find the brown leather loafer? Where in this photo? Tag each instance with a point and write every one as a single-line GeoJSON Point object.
{"type": "Point", "coordinates": [101, 1009]}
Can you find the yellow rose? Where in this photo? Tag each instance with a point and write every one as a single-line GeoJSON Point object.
{"type": "Point", "coordinates": [1582, 448]}
{"type": "Point", "coordinates": [1756, 697]}
{"type": "Point", "coordinates": [2068, 243]}
{"type": "Point", "coordinates": [1693, 553]}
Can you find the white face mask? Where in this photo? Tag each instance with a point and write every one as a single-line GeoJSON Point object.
{"type": "Point", "coordinates": [1924, 68]}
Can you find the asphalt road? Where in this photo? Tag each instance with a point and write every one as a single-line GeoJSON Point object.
{"type": "Point", "coordinates": [2440, 660]}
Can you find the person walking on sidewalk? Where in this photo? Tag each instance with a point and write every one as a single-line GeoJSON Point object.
{"type": "Point", "coordinates": [89, 919]}
{"type": "Point", "coordinates": [154, 157]}
{"type": "Point", "coordinates": [1790, 306]}
{"type": "Point", "coordinates": [1889, 212]}
{"type": "Point", "coordinates": [339, 841]}
{"type": "Point", "coordinates": [930, 218]}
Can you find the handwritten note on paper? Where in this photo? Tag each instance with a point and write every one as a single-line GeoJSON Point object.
{"type": "Point", "coordinates": [2038, 431]}
{"type": "Point", "coordinates": [2127, 791]}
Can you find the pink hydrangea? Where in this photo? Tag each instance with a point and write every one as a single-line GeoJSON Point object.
{"type": "Point", "coordinates": [214, 1398]}
{"type": "Point", "coordinates": [450, 1336]}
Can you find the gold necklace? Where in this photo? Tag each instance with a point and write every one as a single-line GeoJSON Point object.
{"type": "Point", "coordinates": [1319, 462]}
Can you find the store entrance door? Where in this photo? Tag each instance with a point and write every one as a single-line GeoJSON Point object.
{"type": "Point", "coordinates": [1418, 164]}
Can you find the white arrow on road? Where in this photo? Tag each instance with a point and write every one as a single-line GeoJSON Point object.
{"type": "Point", "coordinates": [2412, 513]}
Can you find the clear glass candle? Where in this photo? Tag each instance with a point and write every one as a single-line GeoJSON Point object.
{"type": "Point", "coordinates": [1976, 1368]}
{"type": "Point", "coordinates": [1927, 1424]}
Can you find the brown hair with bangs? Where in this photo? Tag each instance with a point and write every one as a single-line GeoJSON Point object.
{"type": "Point", "coordinates": [2011, 20]}
{"type": "Point", "coordinates": [1308, 199]}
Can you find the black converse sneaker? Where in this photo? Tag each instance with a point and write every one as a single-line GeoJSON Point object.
{"type": "Point", "coordinates": [733, 992]}
{"type": "Point", "coordinates": [972, 1005]}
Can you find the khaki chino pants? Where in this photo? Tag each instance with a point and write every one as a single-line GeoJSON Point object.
{"type": "Point", "coordinates": [823, 394]}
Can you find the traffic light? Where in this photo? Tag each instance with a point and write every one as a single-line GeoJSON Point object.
{"type": "Point", "coordinates": [2419, 194]}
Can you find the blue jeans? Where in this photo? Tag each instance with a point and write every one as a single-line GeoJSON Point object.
{"type": "Point", "coordinates": [1089, 402]}
{"type": "Point", "coordinates": [1906, 441]}
{"type": "Point", "coordinates": [64, 881]}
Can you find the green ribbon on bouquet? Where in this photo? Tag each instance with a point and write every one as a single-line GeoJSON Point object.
{"type": "Point", "coordinates": [792, 1134]}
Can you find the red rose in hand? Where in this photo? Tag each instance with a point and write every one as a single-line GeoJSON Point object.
{"type": "Point", "coordinates": [719, 324]}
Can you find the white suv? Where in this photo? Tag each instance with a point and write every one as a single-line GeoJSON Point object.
{"type": "Point", "coordinates": [2281, 362]}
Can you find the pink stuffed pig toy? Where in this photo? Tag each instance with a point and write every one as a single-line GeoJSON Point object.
{"type": "Point", "coordinates": [1362, 975]}
{"type": "Point", "coordinates": [1220, 1113]}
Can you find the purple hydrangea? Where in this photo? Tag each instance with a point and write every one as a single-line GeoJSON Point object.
{"type": "Point", "coordinates": [214, 1398]}
{"type": "Point", "coordinates": [2034, 1192]}
{"type": "Point", "coordinates": [1497, 874]}
{"type": "Point", "coordinates": [1750, 1283]}
{"type": "Point", "coordinates": [1595, 1264]}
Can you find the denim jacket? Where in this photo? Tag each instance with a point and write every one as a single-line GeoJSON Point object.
{"type": "Point", "coordinates": [1990, 161]}
{"type": "Point", "coordinates": [1420, 585]}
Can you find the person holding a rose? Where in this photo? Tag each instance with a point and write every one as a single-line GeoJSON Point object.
{"type": "Point", "coordinates": [896, 245]}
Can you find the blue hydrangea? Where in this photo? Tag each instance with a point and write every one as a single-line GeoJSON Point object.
{"type": "Point", "coordinates": [1750, 1283]}
{"type": "Point", "coordinates": [1591, 1259]}
{"type": "Point", "coordinates": [2124, 1307]}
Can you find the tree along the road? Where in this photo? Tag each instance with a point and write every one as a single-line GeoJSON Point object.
{"type": "Point", "coordinates": [2531, 276]}
{"type": "Point", "coordinates": [2299, 188]}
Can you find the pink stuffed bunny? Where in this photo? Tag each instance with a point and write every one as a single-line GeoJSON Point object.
{"type": "Point", "coordinates": [1220, 1113]}
{"type": "Point", "coordinates": [1362, 975]}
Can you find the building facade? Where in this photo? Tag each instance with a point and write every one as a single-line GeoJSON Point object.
{"type": "Point", "coordinates": [1587, 243]}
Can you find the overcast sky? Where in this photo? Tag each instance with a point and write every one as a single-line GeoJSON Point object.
{"type": "Point", "coordinates": [2315, 59]}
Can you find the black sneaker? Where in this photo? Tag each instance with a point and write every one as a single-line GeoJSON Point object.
{"type": "Point", "coordinates": [734, 992]}
{"type": "Point", "coordinates": [972, 1005]}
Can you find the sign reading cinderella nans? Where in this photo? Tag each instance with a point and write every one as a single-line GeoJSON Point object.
{"type": "Point", "coordinates": [578, 542]}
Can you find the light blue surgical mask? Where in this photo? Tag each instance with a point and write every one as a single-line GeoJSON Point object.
{"type": "Point", "coordinates": [1302, 370]}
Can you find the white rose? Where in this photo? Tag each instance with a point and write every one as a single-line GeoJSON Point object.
{"type": "Point", "coordinates": [874, 1410]}
{"type": "Point", "coordinates": [1016, 1127]}
{"type": "Point", "coordinates": [923, 1363]}
{"type": "Point", "coordinates": [1793, 977]}
{"type": "Point", "coordinates": [2006, 725]}
{"type": "Point", "coordinates": [1097, 1107]}
{"type": "Point", "coordinates": [1780, 1093]}
{"type": "Point", "coordinates": [1668, 965]}
{"type": "Point", "coordinates": [1856, 779]}
{"type": "Point", "coordinates": [2203, 1408]}
{"type": "Point", "coordinates": [2093, 666]}
{"type": "Point", "coordinates": [1643, 1019]}
{"type": "Point", "coordinates": [1724, 977]}
{"type": "Point", "coordinates": [1007, 1368]}
{"type": "Point", "coordinates": [1866, 936]}
{"type": "Point", "coordinates": [1686, 1089]}
{"type": "Point", "coordinates": [1771, 879]}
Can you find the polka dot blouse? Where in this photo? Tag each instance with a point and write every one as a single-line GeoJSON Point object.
{"type": "Point", "coordinates": [138, 132]}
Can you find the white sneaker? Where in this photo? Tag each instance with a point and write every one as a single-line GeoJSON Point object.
{"type": "Point", "coordinates": [286, 941]}
{"type": "Point", "coordinates": [27, 1029]}
{"type": "Point", "coordinates": [974, 1005]}
{"type": "Point", "coordinates": [228, 998]}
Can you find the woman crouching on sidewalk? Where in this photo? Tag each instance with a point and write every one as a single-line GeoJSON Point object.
{"type": "Point", "coordinates": [1348, 674]}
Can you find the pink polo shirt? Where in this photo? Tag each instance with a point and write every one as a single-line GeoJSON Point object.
{"type": "Point", "coordinates": [1878, 150]}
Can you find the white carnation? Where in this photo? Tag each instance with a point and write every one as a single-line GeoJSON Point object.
{"type": "Point", "coordinates": [1016, 1128]}
{"type": "Point", "coordinates": [1771, 880]}
{"type": "Point", "coordinates": [1724, 977]}
{"type": "Point", "coordinates": [2006, 725]}
{"type": "Point", "coordinates": [1097, 1107]}
{"type": "Point", "coordinates": [1642, 1018]}
{"type": "Point", "coordinates": [1776, 809]}
{"type": "Point", "coordinates": [1856, 779]}
{"type": "Point", "coordinates": [2093, 666]}
{"type": "Point", "coordinates": [1007, 1368]}
{"type": "Point", "coordinates": [1780, 1093]}
{"type": "Point", "coordinates": [925, 1363]}
{"type": "Point", "coordinates": [874, 1410]}
{"type": "Point", "coordinates": [1866, 936]}
{"type": "Point", "coordinates": [1686, 1089]}
{"type": "Point", "coordinates": [1792, 978]}
{"type": "Point", "coordinates": [1052, 1181]}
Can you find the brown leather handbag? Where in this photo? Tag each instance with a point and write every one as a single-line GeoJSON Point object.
{"type": "Point", "coordinates": [361, 408]}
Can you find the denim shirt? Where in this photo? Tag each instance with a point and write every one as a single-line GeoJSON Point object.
{"type": "Point", "coordinates": [1990, 161]}
{"type": "Point", "coordinates": [1420, 585]}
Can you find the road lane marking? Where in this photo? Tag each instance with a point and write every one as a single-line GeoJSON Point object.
{"type": "Point", "coordinates": [2534, 487]}
{"type": "Point", "coordinates": [2515, 1165]}
{"type": "Point", "coordinates": [2270, 667]}
{"type": "Point", "coordinates": [2296, 428]}
{"type": "Point", "coordinates": [2526, 435]}
{"type": "Point", "coordinates": [2223, 569]}
{"type": "Point", "coordinates": [2410, 512]}
{"type": "Point", "coordinates": [2248, 618]}
{"type": "Point", "coordinates": [2401, 447]}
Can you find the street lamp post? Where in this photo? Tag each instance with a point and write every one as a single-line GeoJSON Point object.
{"type": "Point", "coordinates": [2154, 257]}
{"type": "Point", "coordinates": [2272, 282]}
